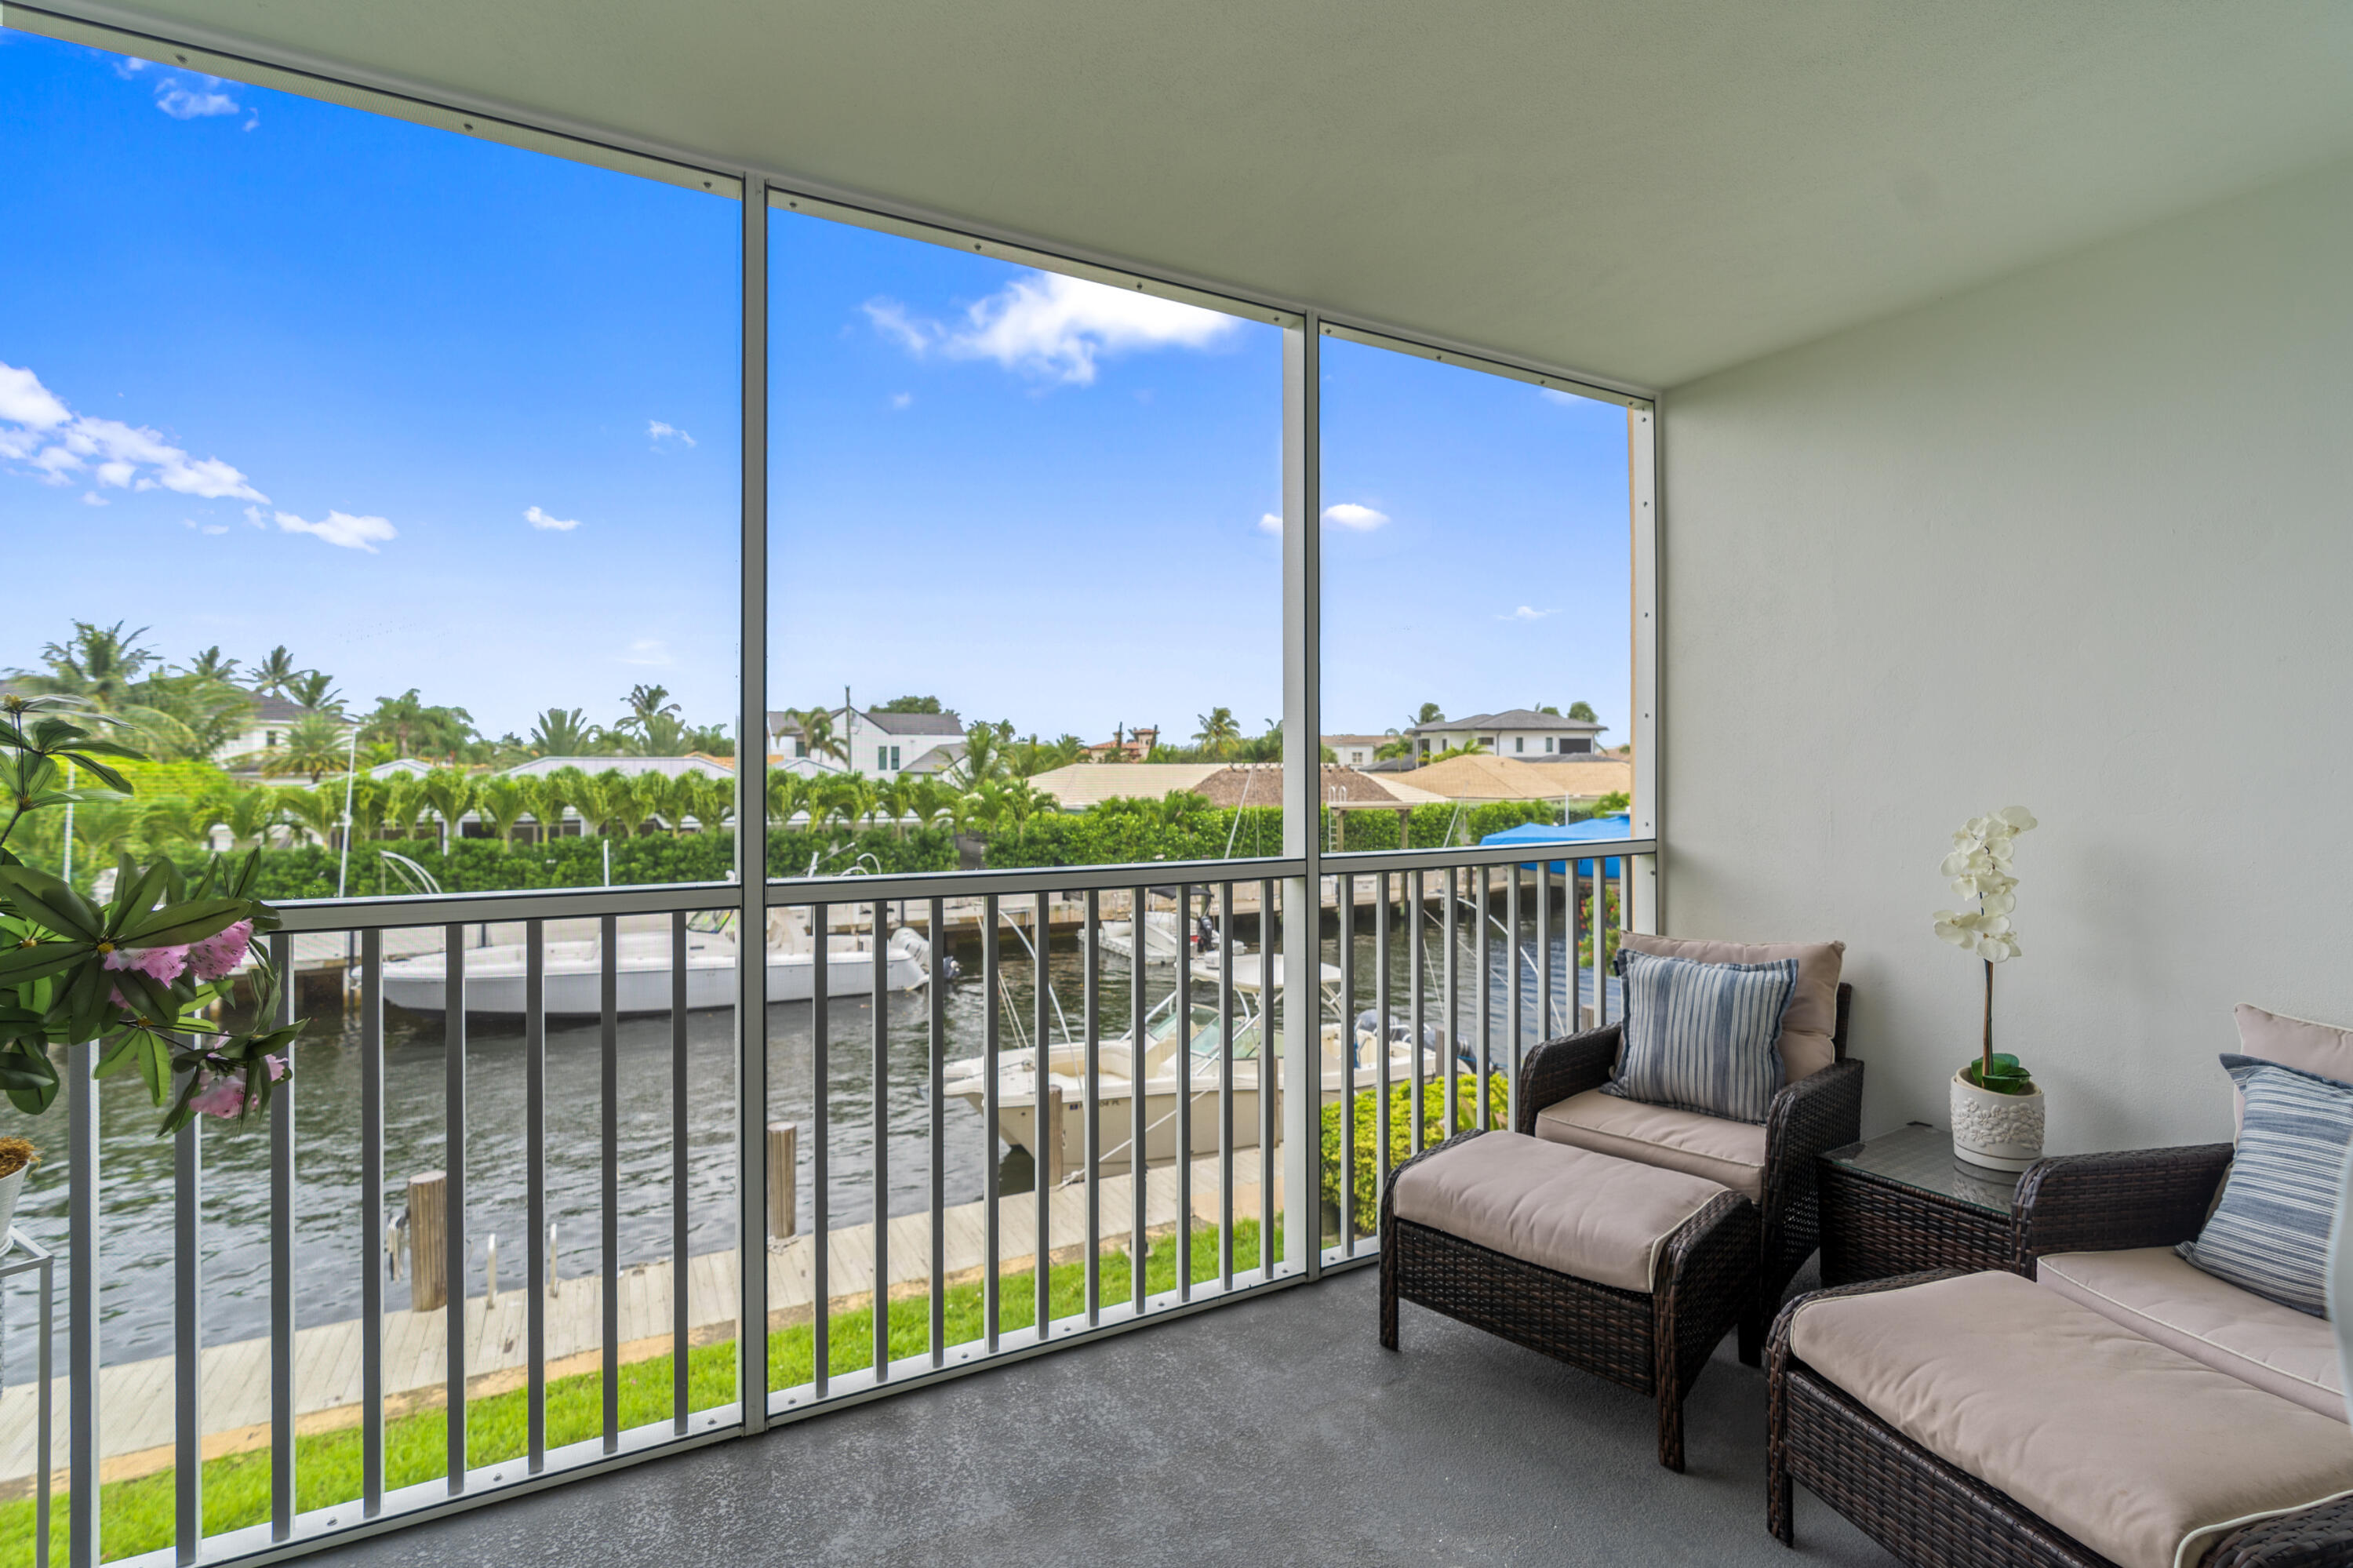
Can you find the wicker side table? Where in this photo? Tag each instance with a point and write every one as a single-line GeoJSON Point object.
{"type": "Point", "coordinates": [1901, 1202]}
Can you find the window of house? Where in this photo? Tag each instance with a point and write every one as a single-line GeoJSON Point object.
{"type": "Point", "coordinates": [1548, 743]}
{"type": "Point", "coordinates": [1519, 743]}
{"type": "Point", "coordinates": [894, 759]}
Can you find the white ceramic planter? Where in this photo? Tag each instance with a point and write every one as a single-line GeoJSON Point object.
{"type": "Point", "coordinates": [10, 1185]}
{"type": "Point", "coordinates": [2000, 1132]}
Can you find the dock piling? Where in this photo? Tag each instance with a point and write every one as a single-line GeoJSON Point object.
{"type": "Point", "coordinates": [783, 1139]}
{"type": "Point", "coordinates": [428, 1227]}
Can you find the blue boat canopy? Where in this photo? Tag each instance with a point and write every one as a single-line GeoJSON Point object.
{"type": "Point", "coordinates": [1572, 832]}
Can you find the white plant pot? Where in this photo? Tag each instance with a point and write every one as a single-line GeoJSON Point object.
{"type": "Point", "coordinates": [2000, 1132]}
{"type": "Point", "coordinates": [10, 1185]}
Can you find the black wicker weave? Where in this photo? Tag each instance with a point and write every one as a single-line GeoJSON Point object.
{"type": "Point", "coordinates": [1873, 1228]}
{"type": "Point", "coordinates": [1806, 1120]}
{"type": "Point", "coordinates": [1930, 1514]}
{"type": "Point", "coordinates": [1704, 1283]}
{"type": "Point", "coordinates": [2103, 1203]}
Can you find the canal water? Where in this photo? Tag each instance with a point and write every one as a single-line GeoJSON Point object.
{"type": "Point", "coordinates": [340, 1230]}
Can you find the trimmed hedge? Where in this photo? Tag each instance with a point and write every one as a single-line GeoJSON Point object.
{"type": "Point", "coordinates": [1364, 1193]}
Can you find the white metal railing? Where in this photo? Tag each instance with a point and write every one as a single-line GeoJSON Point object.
{"type": "Point", "coordinates": [1460, 957]}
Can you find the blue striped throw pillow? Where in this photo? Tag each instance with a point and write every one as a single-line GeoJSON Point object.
{"type": "Point", "coordinates": [2270, 1232]}
{"type": "Point", "coordinates": [1699, 1037]}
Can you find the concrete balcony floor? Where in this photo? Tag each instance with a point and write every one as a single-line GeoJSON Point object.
{"type": "Point", "coordinates": [1273, 1431]}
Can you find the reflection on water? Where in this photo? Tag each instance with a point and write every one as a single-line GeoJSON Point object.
{"type": "Point", "coordinates": [339, 1231]}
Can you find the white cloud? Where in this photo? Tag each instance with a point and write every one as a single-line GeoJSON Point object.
{"type": "Point", "coordinates": [1053, 326]}
{"type": "Point", "coordinates": [127, 68]}
{"type": "Point", "coordinates": [193, 103]}
{"type": "Point", "coordinates": [343, 528]}
{"type": "Point", "coordinates": [659, 431]}
{"type": "Point", "coordinates": [216, 528]}
{"type": "Point", "coordinates": [1348, 515]}
{"type": "Point", "coordinates": [1526, 613]}
{"type": "Point", "coordinates": [92, 498]}
{"type": "Point", "coordinates": [1554, 395]}
{"type": "Point", "coordinates": [256, 516]}
{"type": "Point", "coordinates": [1272, 521]}
{"type": "Point", "coordinates": [648, 651]}
{"type": "Point", "coordinates": [539, 519]}
{"type": "Point", "coordinates": [903, 399]}
{"type": "Point", "coordinates": [25, 402]}
{"type": "Point", "coordinates": [36, 427]}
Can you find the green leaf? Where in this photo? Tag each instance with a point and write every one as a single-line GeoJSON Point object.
{"type": "Point", "coordinates": [136, 894]}
{"type": "Point", "coordinates": [27, 1077]}
{"type": "Point", "coordinates": [43, 899]}
{"type": "Point", "coordinates": [18, 965]}
{"type": "Point", "coordinates": [176, 924]}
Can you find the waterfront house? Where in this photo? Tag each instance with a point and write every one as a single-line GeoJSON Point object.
{"type": "Point", "coordinates": [878, 744]}
{"type": "Point", "coordinates": [1356, 750]}
{"type": "Point", "coordinates": [1522, 733]}
{"type": "Point", "coordinates": [268, 718]}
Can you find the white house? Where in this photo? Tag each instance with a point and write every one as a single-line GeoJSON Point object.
{"type": "Point", "coordinates": [1522, 733]}
{"type": "Point", "coordinates": [878, 745]}
{"type": "Point", "coordinates": [266, 720]}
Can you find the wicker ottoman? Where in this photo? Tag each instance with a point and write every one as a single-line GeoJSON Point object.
{"type": "Point", "coordinates": [1627, 1271]}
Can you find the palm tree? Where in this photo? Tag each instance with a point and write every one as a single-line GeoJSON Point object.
{"type": "Point", "coordinates": [107, 670]}
{"type": "Point", "coordinates": [105, 830]}
{"type": "Point", "coordinates": [314, 744]}
{"type": "Point", "coordinates": [246, 813]}
{"type": "Point", "coordinates": [1218, 731]}
{"type": "Point", "coordinates": [601, 800]}
{"type": "Point", "coordinates": [447, 794]}
{"type": "Point", "coordinates": [1429, 713]}
{"type": "Point", "coordinates": [652, 792]}
{"type": "Point", "coordinates": [196, 714]}
{"type": "Point", "coordinates": [898, 799]}
{"type": "Point", "coordinates": [984, 752]}
{"type": "Point", "coordinates": [316, 692]}
{"type": "Point", "coordinates": [713, 798]}
{"type": "Point", "coordinates": [928, 801]}
{"type": "Point", "coordinates": [275, 675]}
{"type": "Point", "coordinates": [402, 797]}
{"type": "Point", "coordinates": [561, 732]}
{"type": "Point", "coordinates": [177, 821]}
{"type": "Point", "coordinates": [314, 811]}
{"type": "Point", "coordinates": [501, 803]}
{"type": "Point", "coordinates": [208, 664]}
{"type": "Point", "coordinates": [545, 798]}
{"type": "Point", "coordinates": [787, 796]}
{"type": "Point", "coordinates": [817, 729]}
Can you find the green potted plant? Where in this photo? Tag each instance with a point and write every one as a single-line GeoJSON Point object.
{"type": "Point", "coordinates": [138, 971]}
{"type": "Point", "coordinates": [1998, 1110]}
{"type": "Point", "coordinates": [17, 1158]}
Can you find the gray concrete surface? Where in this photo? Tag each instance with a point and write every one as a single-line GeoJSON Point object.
{"type": "Point", "coordinates": [1273, 1431]}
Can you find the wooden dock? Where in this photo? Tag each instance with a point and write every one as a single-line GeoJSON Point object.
{"type": "Point", "coordinates": [136, 1398]}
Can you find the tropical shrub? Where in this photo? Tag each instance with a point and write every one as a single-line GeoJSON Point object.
{"type": "Point", "coordinates": [1365, 1187]}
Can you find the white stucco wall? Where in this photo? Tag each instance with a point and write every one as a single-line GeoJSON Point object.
{"type": "Point", "coordinates": [2081, 540]}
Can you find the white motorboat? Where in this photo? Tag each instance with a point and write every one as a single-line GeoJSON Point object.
{"type": "Point", "coordinates": [572, 971]}
{"type": "Point", "coordinates": [1066, 1075]}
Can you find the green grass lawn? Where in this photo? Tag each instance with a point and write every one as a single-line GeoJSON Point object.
{"type": "Point", "coordinates": [136, 1515]}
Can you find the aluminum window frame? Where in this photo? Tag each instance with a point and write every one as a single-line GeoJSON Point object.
{"type": "Point", "coordinates": [1300, 866]}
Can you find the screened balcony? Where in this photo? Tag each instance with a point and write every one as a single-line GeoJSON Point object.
{"type": "Point", "coordinates": [1861, 419]}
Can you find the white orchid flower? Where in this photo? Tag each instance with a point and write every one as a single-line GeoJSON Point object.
{"type": "Point", "coordinates": [2017, 818]}
{"type": "Point", "coordinates": [1979, 866]}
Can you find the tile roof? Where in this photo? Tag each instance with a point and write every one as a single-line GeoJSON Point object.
{"type": "Point", "coordinates": [1510, 718]}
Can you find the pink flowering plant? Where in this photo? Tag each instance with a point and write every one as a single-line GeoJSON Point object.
{"type": "Point", "coordinates": [138, 972]}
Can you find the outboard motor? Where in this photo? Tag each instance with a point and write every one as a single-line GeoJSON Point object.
{"type": "Point", "coordinates": [1205, 934]}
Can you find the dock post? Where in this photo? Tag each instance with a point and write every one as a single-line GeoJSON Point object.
{"type": "Point", "coordinates": [429, 1227]}
{"type": "Point", "coordinates": [784, 1139]}
{"type": "Point", "coordinates": [1050, 1162]}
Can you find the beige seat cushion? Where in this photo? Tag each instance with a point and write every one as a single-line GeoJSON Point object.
{"type": "Point", "coordinates": [1807, 1027]}
{"type": "Point", "coordinates": [1564, 1209]}
{"type": "Point", "coordinates": [1729, 1153]}
{"type": "Point", "coordinates": [2134, 1449]}
{"type": "Point", "coordinates": [2155, 1291]}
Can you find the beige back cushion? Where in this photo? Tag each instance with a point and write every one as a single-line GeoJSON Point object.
{"type": "Point", "coordinates": [2297, 1042]}
{"type": "Point", "coordinates": [1807, 1027]}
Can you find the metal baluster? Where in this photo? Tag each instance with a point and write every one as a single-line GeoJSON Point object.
{"type": "Point", "coordinates": [81, 1270]}
{"type": "Point", "coordinates": [281, 1266]}
{"type": "Point", "coordinates": [534, 1069]}
{"type": "Point", "coordinates": [1486, 994]}
{"type": "Point", "coordinates": [1226, 1076]}
{"type": "Point", "coordinates": [1578, 925]}
{"type": "Point", "coordinates": [373, 1238]}
{"type": "Point", "coordinates": [881, 1088]}
{"type": "Point", "coordinates": [453, 1100]}
{"type": "Point", "coordinates": [1414, 958]}
{"type": "Point", "coordinates": [822, 1125]}
{"type": "Point", "coordinates": [1269, 1081]}
{"type": "Point", "coordinates": [44, 1368]}
{"type": "Point", "coordinates": [681, 1194]}
{"type": "Point", "coordinates": [1094, 960]}
{"type": "Point", "coordinates": [608, 1039]}
{"type": "Point", "coordinates": [187, 1341]}
{"type": "Point", "coordinates": [991, 977]}
{"type": "Point", "coordinates": [1185, 1092]}
{"type": "Point", "coordinates": [1347, 891]}
{"type": "Point", "coordinates": [1138, 1171]}
{"type": "Point", "coordinates": [937, 989]}
{"type": "Point", "coordinates": [1601, 932]}
{"type": "Point", "coordinates": [1518, 960]}
{"type": "Point", "coordinates": [1042, 1002]}
{"type": "Point", "coordinates": [1544, 949]}
{"type": "Point", "coordinates": [1381, 1050]}
{"type": "Point", "coordinates": [1447, 1049]}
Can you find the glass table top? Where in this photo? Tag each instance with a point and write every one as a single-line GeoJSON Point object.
{"type": "Point", "coordinates": [1921, 1156]}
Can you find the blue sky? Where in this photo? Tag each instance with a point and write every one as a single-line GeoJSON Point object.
{"type": "Point", "coordinates": [438, 413]}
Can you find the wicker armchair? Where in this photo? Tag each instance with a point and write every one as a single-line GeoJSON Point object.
{"type": "Point", "coordinates": [1929, 1513]}
{"type": "Point", "coordinates": [1806, 1119]}
{"type": "Point", "coordinates": [2102, 1202]}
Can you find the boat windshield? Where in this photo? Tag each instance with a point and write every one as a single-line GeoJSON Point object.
{"type": "Point", "coordinates": [1204, 1035]}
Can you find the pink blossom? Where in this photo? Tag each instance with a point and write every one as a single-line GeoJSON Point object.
{"type": "Point", "coordinates": [220, 953]}
{"type": "Point", "coordinates": [276, 1065]}
{"type": "Point", "coordinates": [221, 1097]}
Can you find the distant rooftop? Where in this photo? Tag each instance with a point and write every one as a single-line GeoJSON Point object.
{"type": "Point", "coordinates": [1510, 718]}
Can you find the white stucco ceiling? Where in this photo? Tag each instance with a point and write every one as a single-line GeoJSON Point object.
{"type": "Point", "coordinates": [1648, 190]}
